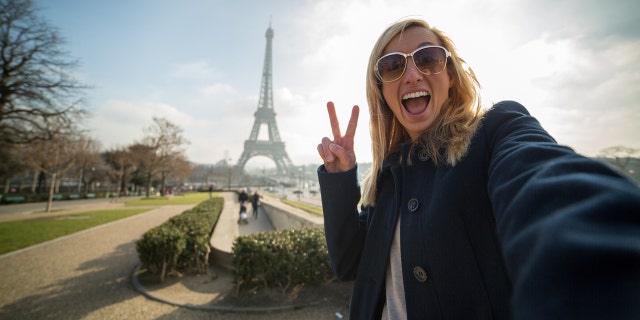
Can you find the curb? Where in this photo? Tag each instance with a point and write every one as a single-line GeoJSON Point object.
{"type": "Point", "coordinates": [149, 295]}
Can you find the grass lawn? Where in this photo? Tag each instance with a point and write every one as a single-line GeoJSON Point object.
{"type": "Point", "coordinates": [299, 205]}
{"type": "Point", "coordinates": [305, 207]}
{"type": "Point", "coordinates": [187, 198]}
{"type": "Point", "coordinates": [16, 235]}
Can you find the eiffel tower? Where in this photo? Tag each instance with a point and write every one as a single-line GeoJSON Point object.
{"type": "Point", "coordinates": [274, 147]}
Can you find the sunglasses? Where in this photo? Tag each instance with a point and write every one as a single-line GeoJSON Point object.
{"type": "Point", "coordinates": [428, 59]}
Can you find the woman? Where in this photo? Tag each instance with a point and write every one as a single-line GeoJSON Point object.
{"type": "Point", "coordinates": [469, 214]}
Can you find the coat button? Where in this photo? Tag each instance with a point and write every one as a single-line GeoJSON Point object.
{"type": "Point", "coordinates": [423, 156]}
{"type": "Point", "coordinates": [420, 274]}
{"type": "Point", "coordinates": [413, 205]}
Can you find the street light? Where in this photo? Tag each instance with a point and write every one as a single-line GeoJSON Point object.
{"type": "Point", "coordinates": [300, 186]}
{"type": "Point", "coordinates": [229, 174]}
{"type": "Point", "coordinates": [93, 172]}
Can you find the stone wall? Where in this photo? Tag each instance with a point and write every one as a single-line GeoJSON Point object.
{"type": "Point", "coordinates": [283, 216]}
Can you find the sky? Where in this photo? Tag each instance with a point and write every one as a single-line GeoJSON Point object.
{"type": "Point", "coordinates": [575, 65]}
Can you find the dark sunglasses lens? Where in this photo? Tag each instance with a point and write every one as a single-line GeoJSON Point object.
{"type": "Point", "coordinates": [430, 60]}
{"type": "Point", "coordinates": [391, 67]}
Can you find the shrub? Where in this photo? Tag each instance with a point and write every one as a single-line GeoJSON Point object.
{"type": "Point", "coordinates": [197, 227]}
{"type": "Point", "coordinates": [182, 242]}
{"type": "Point", "coordinates": [281, 258]}
{"type": "Point", "coordinates": [160, 248]}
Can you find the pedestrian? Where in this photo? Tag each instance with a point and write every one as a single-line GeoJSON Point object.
{"type": "Point", "coordinates": [470, 213]}
{"type": "Point", "coordinates": [242, 216]}
{"type": "Point", "coordinates": [243, 196]}
{"type": "Point", "coordinates": [255, 202]}
{"type": "Point", "coordinates": [210, 191]}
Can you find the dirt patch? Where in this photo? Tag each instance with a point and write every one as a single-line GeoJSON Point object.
{"type": "Point", "coordinates": [334, 292]}
{"type": "Point", "coordinates": [217, 287]}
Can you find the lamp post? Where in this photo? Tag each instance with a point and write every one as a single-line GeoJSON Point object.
{"type": "Point", "coordinates": [93, 173]}
{"type": "Point", "coordinates": [300, 186]}
{"type": "Point", "coordinates": [229, 174]}
{"type": "Point", "coordinates": [282, 183]}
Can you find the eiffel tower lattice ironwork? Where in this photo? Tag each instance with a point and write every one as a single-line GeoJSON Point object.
{"type": "Point", "coordinates": [274, 147]}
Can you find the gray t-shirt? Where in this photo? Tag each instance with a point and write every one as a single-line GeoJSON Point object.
{"type": "Point", "coordinates": [395, 307]}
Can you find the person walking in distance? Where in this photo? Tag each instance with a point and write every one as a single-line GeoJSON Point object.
{"type": "Point", "coordinates": [243, 196]}
{"type": "Point", "coordinates": [255, 203]}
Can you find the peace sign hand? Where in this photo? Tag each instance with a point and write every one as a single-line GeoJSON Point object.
{"type": "Point", "coordinates": [338, 155]}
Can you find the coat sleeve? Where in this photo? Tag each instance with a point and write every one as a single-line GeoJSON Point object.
{"type": "Point", "coordinates": [569, 225]}
{"type": "Point", "coordinates": [342, 224]}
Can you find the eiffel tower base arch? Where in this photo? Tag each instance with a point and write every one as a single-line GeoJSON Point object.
{"type": "Point", "coordinates": [270, 149]}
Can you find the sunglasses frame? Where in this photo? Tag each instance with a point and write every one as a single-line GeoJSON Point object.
{"type": "Point", "coordinates": [406, 56]}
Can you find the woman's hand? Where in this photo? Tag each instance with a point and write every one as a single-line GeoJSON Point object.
{"type": "Point", "coordinates": [338, 154]}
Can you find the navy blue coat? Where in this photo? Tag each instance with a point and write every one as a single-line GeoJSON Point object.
{"type": "Point", "coordinates": [520, 228]}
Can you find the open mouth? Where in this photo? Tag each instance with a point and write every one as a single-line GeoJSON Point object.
{"type": "Point", "coordinates": [416, 102]}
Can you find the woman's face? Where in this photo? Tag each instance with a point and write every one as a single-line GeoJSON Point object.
{"type": "Point", "coordinates": [415, 99]}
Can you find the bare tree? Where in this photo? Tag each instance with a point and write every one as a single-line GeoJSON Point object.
{"type": "Point", "coordinates": [89, 166]}
{"type": "Point", "coordinates": [620, 156]}
{"type": "Point", "coordinates": [158, 150]}
{"type": "Point", "coordinates": [10, 164]}
{"type": "Point", "coordinates": [54, 157]}
{"type": "Point", "coordinates": [147, 164]}
{"type": "Point", "coordinates": [38, 91]}
{"type": "Point", "coordinates": [121, 164]}
{"type": "Point", "coordinates": [177, 170]}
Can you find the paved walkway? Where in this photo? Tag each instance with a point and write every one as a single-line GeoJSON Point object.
{"type": "Point", "coordinates": [228, 228]}
{"type": "Point", "coordinates": [87, 275]}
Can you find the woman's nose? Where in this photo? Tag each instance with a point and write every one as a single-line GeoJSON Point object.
{"type": "Point", "coordinates": [412, 73]}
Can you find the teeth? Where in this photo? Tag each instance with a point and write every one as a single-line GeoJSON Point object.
{"type": "Point", "coordinates": [415, 95]}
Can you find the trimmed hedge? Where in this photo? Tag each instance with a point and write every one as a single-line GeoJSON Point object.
{"type": "Point", "coordinates": [281, 258]}
{"type": "Point", "coordinates": [160, 248]}
{"type": "Point", "coordinates": [181, 243]}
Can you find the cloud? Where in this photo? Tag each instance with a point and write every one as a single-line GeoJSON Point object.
{"type": "Point", "coordinates": [120, 123]}
{"type": "Point", "coordinates": [217, 89]}
{"type": "Point", "coordinates": [582, 89]}
{"type": "Point", "coordinates": [194, 70]}
{"type": "Point", "coordinates": [570, 17]}
{"type": "Point", "coordinates": [600, 87]}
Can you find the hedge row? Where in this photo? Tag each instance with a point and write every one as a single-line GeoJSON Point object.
{"type": "Point", "coordinates": [181, 243]}
{"type": "Point", "coordinates": [281, 259]}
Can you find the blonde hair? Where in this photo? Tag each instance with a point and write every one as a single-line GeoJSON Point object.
{"type": "Point", "coordinates": [448, 137]}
